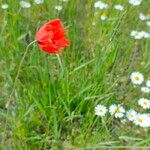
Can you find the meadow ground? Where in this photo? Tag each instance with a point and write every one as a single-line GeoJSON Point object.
{"type": "Point", "coordinates": [53, 108]}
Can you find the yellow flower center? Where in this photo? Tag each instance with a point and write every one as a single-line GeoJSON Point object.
{"type": "Point", "coordinates": [140, 120]}
{"type": "Point", "coordinates": [131, 116]}
{"type": "Point", "coordinates": [100, 110]}
{"type": "Point", "coordinates": [104, 14]}
{"type": "Point", "coordinates": [145, 103]}
{"type": "Point", "coordinates": [137, 78]}
{"type": "Point", "coordinates": [118, 110]}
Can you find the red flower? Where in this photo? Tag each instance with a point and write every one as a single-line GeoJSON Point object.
{"type": "Point", "coordinates": [51, 37]}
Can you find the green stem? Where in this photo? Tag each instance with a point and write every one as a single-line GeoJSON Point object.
{"type": "Point", "coordinates": [105, 126]}
{"type": "Point", "coordinates": [18, 72]}
{"type": "Point", "coordinates": [60, 62]}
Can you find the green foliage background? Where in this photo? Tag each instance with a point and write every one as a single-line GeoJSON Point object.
{"type": "Point", "coordinates": [51, 109]}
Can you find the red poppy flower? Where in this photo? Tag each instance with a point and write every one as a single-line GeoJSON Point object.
{"type": "Point", "coordinates": [51, 37]}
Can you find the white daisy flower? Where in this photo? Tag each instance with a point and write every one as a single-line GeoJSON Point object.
{"type": "Point", "coordinates": [117, 110]}
{"type": "Point", "coordinates": [104, 16]}
{"type": "Point", "coordinates": [135, 2]}
{"type": "Point", "coordinates": [133, 33]}
{"type": "Point", "coordinates": [137, 35]}
{"type": "Point", "coordinates": [100, 110]}
{"type": "Point", "coordinates": [145, 89]}
{"type": "Point", "coordinates": [38, 1]}
{"type": "Point", "coordinates": [24, 4]}
{"type": "Point", "coordinates": [144, 102]}
{"type": "Point", "coordinates": [119, 7]}
{"type": "Point", "coordinates": [142, 17]}
{"type": "Point", "coordinates": [148, 23]}
{"type": "Point", "coordinates": [142, 120]}
{"type": "Point", "coordinates": [148, 83]}
{"type": "Point", "coordinates": [145, 34]}
{"type": "Point", "coordinates": [137, 78]}
{"type": "Point", "coordinates": [100, 5]}
{"type": "Point", "coordinates": [4, 6]}
{"type": "Point", "coordinates": [131, 114]}
{"type": "Point", "coordinates": [58, 7]}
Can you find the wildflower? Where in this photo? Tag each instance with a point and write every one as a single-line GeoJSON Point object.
{"type": "Point", "coordinates": [51, 37]}
{"type": "Point", "coordinates": [142, 17]}
{"type": "Point", "coordinates": [133, 33]}
{"type": "Point", "coordinates": [145, 89]}
{"type": "Point", "coordinates": [148, 83]}
{"type": "Point", "coordinates": [100, 110]}
{"type": "Point", "coordinates": [135, 2]}
{"type": "Point", "coordinates": [123, 121]}
{"type": "Point", "coordinates": [140, 34]}
{"type": "Point", "coordinates": [58, 7]}
{"type": "Point", "coordinates": [100, 5]}
{"type": "Point", "coordinates": [25, 4]}
{"type": "Point", "coordinates": [117, 110]}
{"type": "Point", "coordinates": [148, 23]}
{"type": "Point", "coordinates": [144, 102]}
{"type": "Point", "coordinates": [131, 114]}
{"type": "Point", "coordinates": [119, 7]}
{"type": "Point", "coordinates": [103, 16]}
{"type": "Point", "coordinates": [145, 34]}
{"type": "Point", "coordinates": [136, 34]}
{"type": "Point", "coordinates": [39, 1]}
{"type": "Point", "coordinates": [93, 23]}
{"type": "Point", "coordinates": [4, 6]}
{"type": "Point", "coordinates": [142, 120]}
{"type": "Point", "coordinates": [137, 78]}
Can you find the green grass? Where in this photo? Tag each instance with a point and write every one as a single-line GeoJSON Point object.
{"type": "Point", "coordinates": [51, 109]}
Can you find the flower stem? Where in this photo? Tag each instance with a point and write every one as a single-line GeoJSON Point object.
{"type": "Point", "coordinates": [60, 62]}
{"type": "Point", "coordinates": [18, 72]}
{"type": "Point", "coordinates": [105, 126]}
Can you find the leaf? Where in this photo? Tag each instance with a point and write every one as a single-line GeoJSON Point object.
{"type": "Point", "coordinates": [127, 138]}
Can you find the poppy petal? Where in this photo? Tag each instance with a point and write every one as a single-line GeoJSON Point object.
{"type": "Point", "coordinates": [62, 43]}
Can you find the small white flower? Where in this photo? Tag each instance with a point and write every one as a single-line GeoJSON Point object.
{"type": "Point", "coordinates": [119, 7]}
{"type": "Point", "coordinates": [144, 102]}
{"type": "Point", "coordinates": [142, 120]}
{"type": "Point", "coordinates": [142, 17]}
{"type": "Point", "coordinates": [117, 110]}
{"type": "Point", "coordinates": [145, 34]}
{"type": "Point", "coordinates": [137, 35]}
{"type": "Point", "coordinates": [4, 6]}
{"type": "Point", "coordinates": [133, 33]}
{"type": "Point", "coordinates": [137, 78]}
{"type": "Point", "coordinates": [145, 89]}
{"type": "Point", "coordinates": [123, 121]}
{"type": "Point", "coordinates": [131, 114]}
{"type": "Point", "coordinates": [135, 2]}
{"type": "Point", "coordinates": [148, 83]}
{"type": "Point", "coordinates": [25, 4]}
{"type": "Point", "coordinates": [58, 7]}
{"type": "Point", "coordinates": [39, 1]}
{"type": "Point", "coordinates": [104, 16]}
{"type": "Point", "coordinates": [100, 110]}
{"type": "Point", "coordinates": [100, 5]}
{"type": "Point", "coordinates": [93, 23]}
{"type": "Point", "coordinates": [148, 23]}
